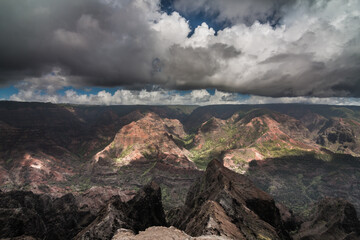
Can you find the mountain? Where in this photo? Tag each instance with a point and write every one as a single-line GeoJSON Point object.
{"type": "Point", "coordinates": [257, 134]}
{"type": "Point", "coordinates": [49, 148]}
{"type": "Point", "coordinates": [298, 154]}
{"type": "Point", "coordinates": [144, 150]}
{"type": "Point", "coordinates": [151, 137]}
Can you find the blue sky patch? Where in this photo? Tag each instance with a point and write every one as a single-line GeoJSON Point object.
{"type": "Point", "coordinates": [195, 19]}
{"type": "Point", "coordinates": [6, 92]}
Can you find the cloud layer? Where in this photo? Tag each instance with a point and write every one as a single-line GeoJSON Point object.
{"type": "Point", "coordinates": [314, 50]}
{"type": "Point", "coordinates": [164, 97]}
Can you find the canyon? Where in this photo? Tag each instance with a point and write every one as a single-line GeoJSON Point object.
{"type": "Point", "coordinates": [211, 172]}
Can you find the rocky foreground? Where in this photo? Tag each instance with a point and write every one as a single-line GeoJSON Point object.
{"type": "Point", "coordinates": [221, 205]}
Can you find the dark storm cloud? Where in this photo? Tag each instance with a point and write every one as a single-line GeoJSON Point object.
{"type": "Point", "coordinates": [100, 42]}
{"type": "Point", "coordinates": [338, 78]}
{"type": "Point", "coordinates": [200, 63]}
{"type": "Point", "coordinates": [313, 51]}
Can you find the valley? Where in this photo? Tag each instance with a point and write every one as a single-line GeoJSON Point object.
{"type": "Point", "coordinates": [298, 154]}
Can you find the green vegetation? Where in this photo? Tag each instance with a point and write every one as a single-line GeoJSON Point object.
{"type": "Point", "coordinates": [262, 237]}
{"type": "Point", "coordinates": [186, 142]}
{"type": "Point", "coordinates": [77, 183]}
{"type": "Point", "coordinates": [343, 112]}
{"type": "Point", "coordinates": [239, 159]}
{"type": "Point", "coordinates": [150, 153]}
{"type": "Point", "coordinates": [165, 194]}
{"type": "Point", "coordinates": [149, 169]}
{"type": "Point", "coordinates": [210, 150]}
{"type": "Point", "coordinates": [278, 149]}
{"type": "Point", "coordinates": [124, 153]}
{"type": "Point", "coordinates": [229, 136]}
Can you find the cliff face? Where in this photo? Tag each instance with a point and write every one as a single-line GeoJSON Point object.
{"type": "Point", "coordinates": [143, 211]}
{"type": "Point", "coordinates": [332, 219]}
{"type": "Point", "coordinates": [225, 203]}
{"type": "Point", "coordinates": [40, 216]}
{"type": "Point", "coordinates": [24, 214]}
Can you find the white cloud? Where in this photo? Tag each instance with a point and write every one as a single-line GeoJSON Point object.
{"type": "Point", "coordinates": [129, 97]}
{"type": "Point", "coordinates": [313, 52]}
{"type": "Point", "coordinates": [163, 97]}
{"type": "Point", "coordinates": [305, 100]}
{"type": "Point", "coordinates": [172, 29]}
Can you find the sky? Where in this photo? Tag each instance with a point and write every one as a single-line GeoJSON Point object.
{"type": "Point", "coordinates": [180, 51]}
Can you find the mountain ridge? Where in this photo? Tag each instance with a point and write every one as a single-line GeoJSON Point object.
{"type": "Point", "coordinates": [48, 148]}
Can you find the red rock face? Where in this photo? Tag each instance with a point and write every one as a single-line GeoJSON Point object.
{"type": "Point", "coordinates": [149, 138]}
{"type": "Point", "coordinates": [34, 170]}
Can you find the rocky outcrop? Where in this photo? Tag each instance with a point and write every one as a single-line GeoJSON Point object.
{"type": "Point", "coordinates": [143, 211]}
{"type": "Point", "coordinates": [160, 233]}
{"type": "Point", "coordinates": [290, 221]}
{"type": "Point", "coordinates": [24, 215]}
{"type": "Point", "coordinates": [96, 197]}
{"type": "Point", "coordinates": [340, 135]}
{"type": "Point", "coordinates": [40, 216]}
{"type": "Point", "coordinates": [227, 204]}
{"type": "Point", "coordinates": [333, 219]}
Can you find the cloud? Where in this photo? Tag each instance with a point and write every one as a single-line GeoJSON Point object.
{"type": "Point", "coordinates": [163, 97]}
{"type": "Point", "coordinates": [314, 50]}
{"type": "Point", "coordinates": [342, 101]}
{"type": "Point", "coordinates": [47, 89]}
{"type": "Point", "coordinates": [129, 97]}
{"type": "Point", "coordinates": [104, 43]}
